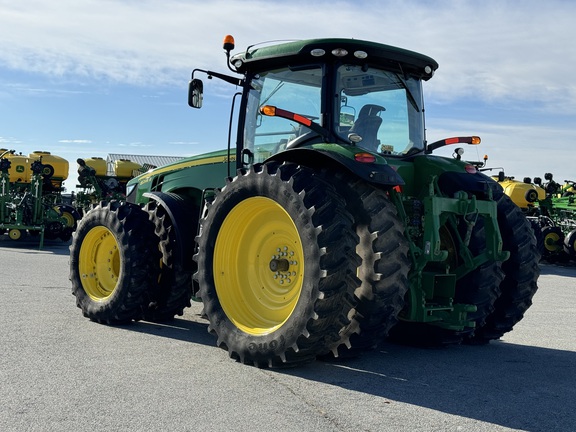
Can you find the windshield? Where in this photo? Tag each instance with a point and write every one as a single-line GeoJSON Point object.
{"type": "Point", "coordinates": [297, 91]}
{"type": "Point", "coordinates": [379, 110]}
{"type": "Point", "coordinates": [374, 109]}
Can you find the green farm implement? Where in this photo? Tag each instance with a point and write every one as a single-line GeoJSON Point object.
{"type": "Point", "coordinates": [30, 199]}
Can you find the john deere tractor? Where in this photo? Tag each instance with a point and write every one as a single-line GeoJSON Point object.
{"type": "Point", "coordinates": [329, 226]}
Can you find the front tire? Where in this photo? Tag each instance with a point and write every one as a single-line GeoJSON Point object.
{"type": "Point", "coordinates": [113, 262]}
{"type": "Point", "coordinates": [276, 266]}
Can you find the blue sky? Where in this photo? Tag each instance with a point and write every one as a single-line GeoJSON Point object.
{"type": "Point", "coordinates": [83, 78]}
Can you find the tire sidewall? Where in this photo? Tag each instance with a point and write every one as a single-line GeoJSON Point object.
{"type": "Point", "coordinates": [278, 341]}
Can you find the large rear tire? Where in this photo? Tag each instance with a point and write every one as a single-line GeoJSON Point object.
{"type": "Point", "coordinates": [521, 272]}
{"type": "Point", "coordinates": [276, 266]}
{"type": "Point", "coordinates": [114, 262]}
{"type": "Point", "coordinates": [383, 271]}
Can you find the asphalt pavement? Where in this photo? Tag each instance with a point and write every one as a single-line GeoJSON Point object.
{"type": "Point", "coordinates": [61, 372]}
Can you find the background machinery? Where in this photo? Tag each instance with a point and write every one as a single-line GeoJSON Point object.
{"type": "Point", "coordinates": [555, 214]}
{"type": "Point", "coordinates": [30, 196]}
{"type": "Point", "coordinates": [96, 185]}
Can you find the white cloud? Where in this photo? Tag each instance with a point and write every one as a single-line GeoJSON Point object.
{"type": "Point", "coordinates": [5, 141]}
{"type": "Point", "coordinates": [516, 55]}
{"type": "Point", "coordinates": [521, 150]}
{"type": "Point", "coordinates": [134, 144]}
{"type": "Point", "coordinates": [184, 143]}
{"type": "Point", "coordinates": [494, 50]}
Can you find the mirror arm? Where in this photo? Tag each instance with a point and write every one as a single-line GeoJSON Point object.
{"type": "Point", "coordinates": [229, 79]}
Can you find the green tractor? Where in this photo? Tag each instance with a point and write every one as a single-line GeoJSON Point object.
{"type": "Point", "coordinates": [327, 228]}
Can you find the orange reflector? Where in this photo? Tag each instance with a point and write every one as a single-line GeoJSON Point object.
{"type": "Point", "coordinates": [475, 140]}
{"type": "Point", "coordinates": [301, 119]}
{"type": "Point", "coordinates": [364, 157]}
{"type": "Point", "coordinates": [268, 110]}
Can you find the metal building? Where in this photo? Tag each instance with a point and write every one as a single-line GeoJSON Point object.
{"type": "Point", "coordinates": [148, 161]}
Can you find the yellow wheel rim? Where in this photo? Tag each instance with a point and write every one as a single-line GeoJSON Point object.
{"type": "Point", "coordinates": [99, 263]}
{"type": "Point", "coordinates": [15, 234]}
{"type": "Point", "coordinates": [258, 266]}
{"type": "Point", "coordinates": [69, 218]}
{"type": "Point", "coordinates": [552, 241]}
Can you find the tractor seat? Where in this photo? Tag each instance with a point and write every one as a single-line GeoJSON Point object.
{"type": "Point", "coordinates": [367, 125]}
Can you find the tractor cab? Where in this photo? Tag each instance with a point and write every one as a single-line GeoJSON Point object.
{"type": "Point", "coordinates": [327, 91]}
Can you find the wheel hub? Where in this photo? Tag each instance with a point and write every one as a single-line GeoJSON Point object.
{"type": "Point", "coordinates": [280, 265]}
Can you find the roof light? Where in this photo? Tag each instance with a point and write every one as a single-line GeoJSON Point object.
{"type": "Point", "coordinates": [228, 42]}
{"type": "Point", "coordinates": [471, 169]}
{"type": "Point", "coordinates": [365, 157]}
{"type": "Point", "coordinates": [238, 63]}
{"type": "Point", "coordinates": [428, 69]}
{"type": "Point", "coordinates": [317, 52]}
{"type": "Point", "coordinates": [360, 54]}
{"type": "Point", "coordinates": [339, 52]}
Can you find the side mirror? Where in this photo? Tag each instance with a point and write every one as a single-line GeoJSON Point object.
{"type": "Point", "coordinates": [195, 93]}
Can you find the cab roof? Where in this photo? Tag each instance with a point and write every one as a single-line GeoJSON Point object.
{"type": "Point", "coordinates": [312, 51]}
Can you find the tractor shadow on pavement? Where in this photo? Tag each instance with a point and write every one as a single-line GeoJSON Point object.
{"type": "Point", "coordinates": [564, 269]}
{"type": "Point", "coordinates": [189, 328]}
{"type": "Point", "coordinates": [515, 386]}
{"type": "Point", "coordinates": [32, 246]}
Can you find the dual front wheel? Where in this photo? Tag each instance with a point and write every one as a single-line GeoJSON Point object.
{"type": "Point", "coordinates": [114, 262]}
{"type": "Point", "coordinates": [125, 264]}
